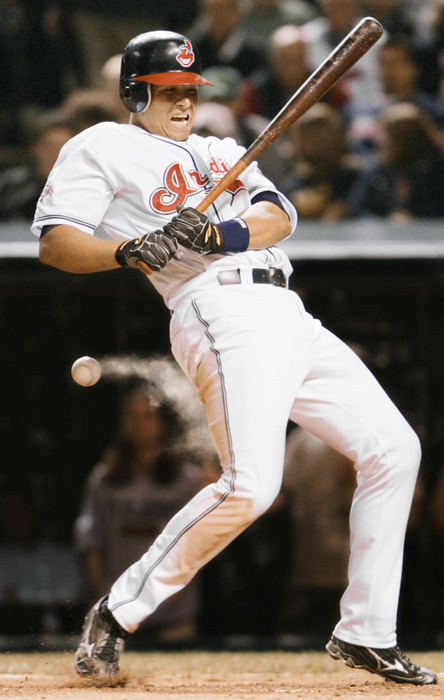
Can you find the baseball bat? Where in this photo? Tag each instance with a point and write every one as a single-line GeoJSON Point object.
{"type": "Point", "coordinates": [344, 56]}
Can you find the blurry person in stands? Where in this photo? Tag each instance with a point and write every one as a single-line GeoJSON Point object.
{"type": "Point", "coordinates": [431, 77]}
{"type": "Point", "coordinates": [142, 480]}
{"type": "Point", "coordinates": [358, 93]}
{"type": "Point", "coordinates": [221, 39]}
{"type": "Point", "coordinates": [88, 106]}
{"type": "Point", "coordinates": [109, 81]}
{"type": "Point", "coordinates": [399, 69]}
{"type": "Point", "coordinates": [103, 27]}
{"type": "Point", "coordinates": [286, 68]}
{"type": "Point", "coordinates": [21, 185]}
{"type": "Point", "coordinates": [324, 171]}
{"type": "Point", "coordinates": [261, 17]}
{"type": "Point", "coordinates": [227, 90]}
{"type": "Point", "coordinates": [215, 119]}
{"type": "Point", "coordinates": [407, 181]}
{"type": "Point", "coordinates": [394, 15]}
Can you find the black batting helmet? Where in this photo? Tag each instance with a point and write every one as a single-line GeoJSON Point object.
{"type": "Point", "coordinates": [161, 58]}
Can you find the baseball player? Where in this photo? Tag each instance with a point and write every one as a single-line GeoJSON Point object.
{"type": "Point", "coordinates": [254, 354]}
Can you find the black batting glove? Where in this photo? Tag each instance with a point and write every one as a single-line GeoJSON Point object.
{"type": "Point", "coordinates": [154, 249]}
{"type": "Point", "coordinates": [193, 230]}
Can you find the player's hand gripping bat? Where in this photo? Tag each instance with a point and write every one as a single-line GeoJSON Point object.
{"type": "Point", "coordinates": [364, 35]}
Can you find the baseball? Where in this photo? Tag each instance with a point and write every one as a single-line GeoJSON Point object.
{"type": "Point", "coordinates": [86, 371]}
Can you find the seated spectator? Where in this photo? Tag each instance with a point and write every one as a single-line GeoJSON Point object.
{"type": "Point", "coordinates": [226, 89]}
{"type": "Point", "coordinates": [324, 172]}
{"type": "Point", "coordinates": [143, 478]}
{"type": "Point", "coordinates": [431, 52]}
{"type": "Point", "coordinates": [393, 14]}
{"type": "Point", "coordinates": [408, 180]}
{"type": "Point", "coordinates": [269, 88]}
{"type": "Point", "coordinates": [40, 62]}
{"type": "Point", "coordinates": [358, 93]}
{"type": "Point", "coordinates": [87, 107]}
{"type": "Point", "coordinates": [20, 186]}
{"type": "Point", "coordinates": [103, 27]}
{"type": "Point", "coordinates": [109, 81]}
{"type": "Point", "coordinates": [214, 119]}
{"type": "Point", "coordinates": [399, 74]}
{"type": "Point", "coordinates": [336, 19]}
{"type": "Point", "coordinates": [261, 17]}
{"type": "Point", "coordinates": [220, 38]}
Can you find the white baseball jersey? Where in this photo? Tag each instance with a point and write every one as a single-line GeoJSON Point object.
{"type": "Point", "coordinates": [130, 182]}
{"type": "Point", "coordinates": [257, 358]}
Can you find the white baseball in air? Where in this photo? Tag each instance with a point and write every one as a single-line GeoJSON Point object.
{"type": "Point", "coordinates": [86, 371]}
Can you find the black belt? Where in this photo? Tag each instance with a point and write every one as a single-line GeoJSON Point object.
{"type": "Point", "coordinates": [259, 275]}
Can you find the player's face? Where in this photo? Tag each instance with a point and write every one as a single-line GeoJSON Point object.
{"type": "Point", "coordinates": [171, 111]}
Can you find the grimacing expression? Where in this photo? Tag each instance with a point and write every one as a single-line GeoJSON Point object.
{"type": "Point", "coordinates": [171, 111]}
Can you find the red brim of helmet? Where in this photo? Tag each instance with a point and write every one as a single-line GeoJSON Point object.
{"type": "Point", "coordinates": [173, 77]}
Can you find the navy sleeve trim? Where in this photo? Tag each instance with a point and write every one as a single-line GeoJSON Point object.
{"type": "Point", "coordinates": [64, 220]}
{"type": "Point", "coordinates": [268, 196]}
{"type": "Point", "coordinates": [46, 229]}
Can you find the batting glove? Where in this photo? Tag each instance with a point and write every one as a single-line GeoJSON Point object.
{"type": "Point", "coordinates": [193, 230]}
{"type": "Point", "coordinates": [154, 249]}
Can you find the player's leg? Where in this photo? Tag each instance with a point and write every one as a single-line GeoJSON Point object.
{"type": "Point", "coordinates": [244, 358]}
{"type": "Point", "coordinates": [233, 348]}
{"type": "Point", "coordinates": [342, 403]}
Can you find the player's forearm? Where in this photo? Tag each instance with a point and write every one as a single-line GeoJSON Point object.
{"type": "Point", "coordinates": [267, 223]}
{"type": "Point", "coordinates": [72, 250]}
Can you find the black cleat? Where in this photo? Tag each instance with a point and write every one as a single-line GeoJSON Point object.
{"type": "Point", "coordinates": [392, 664]}
{"type": "Point", "coordinates": [101, 644]}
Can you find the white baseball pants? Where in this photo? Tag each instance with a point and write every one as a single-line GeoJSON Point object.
{"type": "Point", "coordinates": [257, 358]}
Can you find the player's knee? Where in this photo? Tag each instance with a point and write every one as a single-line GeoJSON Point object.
{"type": "Point", "coordinates": [400, 455]}
{"type": "Point", "coordinates": [261, 499]}
{"type": "Point", "coordinates": [409, 449]}
{"type": "Point", "coordinates": [404, 455]}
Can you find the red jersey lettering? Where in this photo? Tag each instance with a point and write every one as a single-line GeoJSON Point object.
{"type": "Point", "coordinates": [176, 189]}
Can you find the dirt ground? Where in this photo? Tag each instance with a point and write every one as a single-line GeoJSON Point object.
{"type": "Point", "coordinates": [207, 676]}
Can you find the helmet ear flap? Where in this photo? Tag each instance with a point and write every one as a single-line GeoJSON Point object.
{"type": "Point", "coordinates": [136, 96]}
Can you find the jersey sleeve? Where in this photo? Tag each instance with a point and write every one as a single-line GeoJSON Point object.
{"type": "Point", "coordinates": [79, 189]}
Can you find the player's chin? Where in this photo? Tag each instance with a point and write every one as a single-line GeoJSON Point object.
{"type": "Point", "coordinates": [179, 130]}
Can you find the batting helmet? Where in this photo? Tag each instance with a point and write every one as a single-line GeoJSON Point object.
{"type": "Point", "coordinates": [161, 58]}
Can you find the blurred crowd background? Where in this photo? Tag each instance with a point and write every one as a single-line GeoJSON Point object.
{"type": "Point", "coordinates": [90, 476]}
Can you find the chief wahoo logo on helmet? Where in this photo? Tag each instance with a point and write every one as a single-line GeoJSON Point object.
{"type": "Point", "coordinates": [185, 55]}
